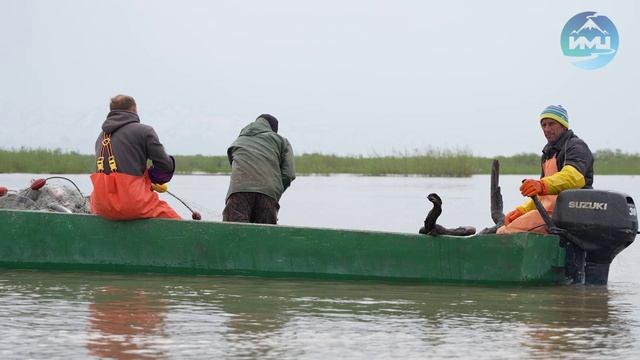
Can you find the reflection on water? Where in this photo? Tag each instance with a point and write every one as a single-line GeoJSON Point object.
{"type": "Point", "coordinates": [124, 322]}
{"type": "Point", "coordinates": [49, 314]}
{"type": "Point", "coordinates": [90, 315]}
{"type": "Point", "coordinates": [578, 320]}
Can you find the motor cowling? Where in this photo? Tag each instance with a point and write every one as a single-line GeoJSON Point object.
{"type": "Point", "coordinates": [602, 223]}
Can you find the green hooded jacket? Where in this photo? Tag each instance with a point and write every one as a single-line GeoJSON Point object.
{"type": "Point", "coordinates": [261, 161]}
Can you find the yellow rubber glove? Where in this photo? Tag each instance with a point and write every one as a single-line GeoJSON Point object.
{"type": "Point", "coordinates": [512, 215]}
{"type": "Point", "coordinates": [160, 187]}
{"type": "Point", "coordinates": [531, 187]}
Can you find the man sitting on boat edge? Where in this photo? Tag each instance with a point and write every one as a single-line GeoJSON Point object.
{"type": "Point", "coordinates": [123, 189]}
{"type": "Point", "coordinates": [566, 162]}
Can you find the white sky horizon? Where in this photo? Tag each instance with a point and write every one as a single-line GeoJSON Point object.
{"type": "Point", "coordinates": [344, 78]}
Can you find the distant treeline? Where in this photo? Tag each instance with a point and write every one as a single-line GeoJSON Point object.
{"type": "Point", "coordinates": [430, 163]}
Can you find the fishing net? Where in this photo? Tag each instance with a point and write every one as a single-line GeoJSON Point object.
{"type": "Point", "coordinates": [55, 198]}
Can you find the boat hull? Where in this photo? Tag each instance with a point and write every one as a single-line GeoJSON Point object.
{"type": "Point", "coordinates": [74, 242]}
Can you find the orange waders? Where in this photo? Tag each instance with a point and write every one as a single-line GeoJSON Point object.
{"type": "Point", "coordinates": [532, 221]}
{"type": "Point", "coordinates": [118, 196]}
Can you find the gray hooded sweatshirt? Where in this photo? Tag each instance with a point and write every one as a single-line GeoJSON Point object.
{"type": "Point", "coordinates": [132, 143]}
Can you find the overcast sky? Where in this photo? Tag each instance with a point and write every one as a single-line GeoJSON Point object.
{"type": "Point", "coordinates": [343, 77]}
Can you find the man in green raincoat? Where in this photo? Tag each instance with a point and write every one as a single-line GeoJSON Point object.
{"type": "Point", "coordinates": [262, 168]}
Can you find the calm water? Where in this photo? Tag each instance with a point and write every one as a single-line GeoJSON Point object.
{"type": "Point", "coordinates": [61, 315]}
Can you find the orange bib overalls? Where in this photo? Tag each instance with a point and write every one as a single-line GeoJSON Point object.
{"type": "Point", "coordinates": [532, 221]}
{"type": "Point", "coordinates": [118, 196]}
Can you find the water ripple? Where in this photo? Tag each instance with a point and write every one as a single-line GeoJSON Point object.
{"type": "Point", "coordinates": [87, 315]}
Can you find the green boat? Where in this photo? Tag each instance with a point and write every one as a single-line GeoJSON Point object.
{"type": "Point", "coordinates": [77, 242]}
{"type": "Point", "coordinates": [590, 228]}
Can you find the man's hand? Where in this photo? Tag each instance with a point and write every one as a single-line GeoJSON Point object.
{"type": "Point", "coordinates": [531, 187]}
{"type": "Point", "coordinates": [512, 215]}
{"type": "Point", "coordinates": [160, 187]}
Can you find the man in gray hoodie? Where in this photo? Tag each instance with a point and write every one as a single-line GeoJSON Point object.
{"type": "Point", "coordinates": [262, 168]}
{"type": "Point", "coordinates": [122, 183]}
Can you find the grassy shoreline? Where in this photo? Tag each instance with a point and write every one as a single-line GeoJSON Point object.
{"type": "Point", "coordinates": [432, 163]}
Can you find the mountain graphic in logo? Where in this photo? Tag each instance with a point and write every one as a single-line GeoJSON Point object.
{"type": "Point", "coordinates": [590, 25]}
{"type": "Point", "coordinates": [589, 40]}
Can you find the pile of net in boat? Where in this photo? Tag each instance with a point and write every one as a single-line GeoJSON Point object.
{"type": "Point", "coordinates": [54, 198]}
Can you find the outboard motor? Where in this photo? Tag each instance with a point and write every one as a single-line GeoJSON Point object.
{"type": "Point", "coordinates": [595, 226]}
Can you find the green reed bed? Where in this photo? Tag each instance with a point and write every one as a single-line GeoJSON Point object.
{"type": "Point", "coordinates": [430, 163]}
{"type": "Point", "coordinates": [45, 161]}
{"type": "Point", "coordinates": [200, 164]}
{"type": "Point", "coordinates": [610, 162]}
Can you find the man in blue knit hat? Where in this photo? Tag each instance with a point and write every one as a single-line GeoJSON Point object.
{"type": "Point", "coordinates": [567, 163]}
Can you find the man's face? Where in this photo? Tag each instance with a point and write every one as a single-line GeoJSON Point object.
{"type": "Point", "coordinates": [552, 129]}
